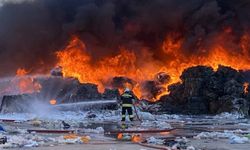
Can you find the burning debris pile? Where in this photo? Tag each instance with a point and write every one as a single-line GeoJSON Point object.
{"type": "Point", "coordinates": [205, 91]}
{"type": "Point", "coordinates": [201, 91]}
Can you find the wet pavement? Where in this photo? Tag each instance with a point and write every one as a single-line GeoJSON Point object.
{"type": "Point", "coordinates": [182, 126]}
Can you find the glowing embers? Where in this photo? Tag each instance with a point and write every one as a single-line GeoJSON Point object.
{"type": "Point", "coordinates": [21, 72]}
{"type": "Point", "coordinates": [52, 102]}
{"type": "Point", "coordinates": [246, 86]}
{"type": "Point", "coordinates": [119, 136]}
{"type": "Point", "coordinates": [136, 138]}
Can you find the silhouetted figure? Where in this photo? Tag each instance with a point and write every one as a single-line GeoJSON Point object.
{"type": "Point", "coordinates": [65, 125]}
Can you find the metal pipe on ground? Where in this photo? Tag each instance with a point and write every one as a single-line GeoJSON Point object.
{"type": "Point", "coordinates": [50, 131]}
{"type": "Point", "coordinates": [139, 131]}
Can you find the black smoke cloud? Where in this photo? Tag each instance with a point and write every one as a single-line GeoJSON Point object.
{"type": "Point", "coordinates": [31, 31]}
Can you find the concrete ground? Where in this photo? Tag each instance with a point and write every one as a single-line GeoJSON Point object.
{"type": "Point", "coordinates": [190, 128]}
{"type": "Point", "coordinates": [119, 146]}
{"type": "Point", "coordinates": [219, 144]}
{"type": "Point", "coordinates": [211, 144]}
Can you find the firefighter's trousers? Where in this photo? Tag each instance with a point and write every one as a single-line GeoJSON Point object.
{"type": "Point", "coordinates": [130, 113]}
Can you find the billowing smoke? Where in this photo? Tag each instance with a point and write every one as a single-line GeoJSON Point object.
{"type": "Point", "coordinates": [32, 30]}
{"type": "Point", "coordinates": [120, 82]}
{"type": "Point", "coordinates": [2, 2]}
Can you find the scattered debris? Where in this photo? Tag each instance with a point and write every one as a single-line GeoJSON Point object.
{"type": "Point", "coordinates": [227, 115]}
{"type": "Point", "coordinates": [91, 115]}
{"type": "Point", "coordinates": [233, 138]}
{"type": "Point", "coordinates": [160, 130]}
{"type": "Point", "coordinates": [85, 139]}
{"type": "Point", "coordinates": [156, 124]}
{"type": "Point", "coordinates": [76, 138]}
{"type": "Point", "coordinates": [181, 143]}
{"type": "Point", "coordinates": [35, 122]}
{"type": "Point", "coordinates": [65, 125]}
{"type": "Point", "coordinates": [238, 140]}
{"type": "Point", "coordinates": [98, 130]}
{"type": "Point", "coordinates": [1, 128]}
{"type": "Point", "coordinates": [136, 138]}
{"type": "Point", "coordinates": [3, 140]}
{"type": "Point", "coordinates": [213, 135]}
{"type": "Point", "coordinates": [153, 140]}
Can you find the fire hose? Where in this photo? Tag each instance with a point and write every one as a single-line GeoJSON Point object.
{"type": "Point", "coordinates": [136, 113]}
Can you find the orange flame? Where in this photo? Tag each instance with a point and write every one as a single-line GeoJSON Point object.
{"type": "Point", "coordinates": [25, 83]}
{"type": "Point", "coordinates": [215, 56]}
{"type": "Point", "coordinates": [53, 102]}
{"type": "Point", "coordinates": [21, 72]}
{"type": "Point", "coordinates": [246, 85]}
{"type": "Point", "coordinates": [76, 61]}
{"type": "Point", "coordinates": [119, 136]}
{"type": "Point", "coordinates": [136, 138]}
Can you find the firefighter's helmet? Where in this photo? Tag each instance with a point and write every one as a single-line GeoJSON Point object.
{"type": "Point", "coordinates": [127, 90]}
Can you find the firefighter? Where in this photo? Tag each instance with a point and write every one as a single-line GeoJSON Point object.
{"type": "Point", "coordinates": [127, 99]}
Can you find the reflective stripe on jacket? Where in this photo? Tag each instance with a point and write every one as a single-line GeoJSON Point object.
{"type": "Point", "coordinates": [127, 105]}
{"type": "Point", "coordinates": [127, 99]}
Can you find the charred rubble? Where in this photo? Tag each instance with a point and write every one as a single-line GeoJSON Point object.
{"type": "Point", "coordinates": [205, 91]}
{"type": "Point", "coordinates": [151, 88]}
{"type": "Point", "coordinates": [202, 90]}
{"type": "Point", "coordinates": [63, 90]}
